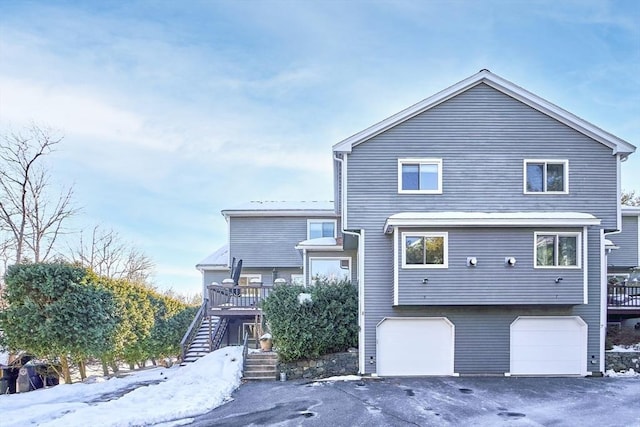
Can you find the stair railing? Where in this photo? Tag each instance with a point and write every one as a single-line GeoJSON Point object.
{"type": "Point", "coordinates": [245, 349]}
{"type": "Point", "coordinates": [218, 333]}
{"type": "Point", "coordinates": [191, 333]}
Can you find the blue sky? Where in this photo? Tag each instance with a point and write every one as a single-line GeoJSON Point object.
{"type": "Point", "coordinates": [172, 111]}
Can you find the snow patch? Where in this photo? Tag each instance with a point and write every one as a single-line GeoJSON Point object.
{"type": "Point", "coordinates": [628, 373]}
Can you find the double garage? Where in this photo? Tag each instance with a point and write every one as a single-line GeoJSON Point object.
{"type": "Point", "coordinates": [538, 345]}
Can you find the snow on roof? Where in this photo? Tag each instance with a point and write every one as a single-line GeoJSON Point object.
{"type": "Point", "coordinates": [610, 245]}
{"type": "Point", "coordinates": [288, 208]}
{"type": "Point", "coordinates": [495, 219]}
{"type": "Point", "coordinates": [321, 243]}
{"type": "Point", "coordinates": [219, 258]}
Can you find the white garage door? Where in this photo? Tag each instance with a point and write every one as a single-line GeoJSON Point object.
{"type": "Point", "coordinates": [548, 346]}
{"type": "Point", "coordinates": [415, 346]}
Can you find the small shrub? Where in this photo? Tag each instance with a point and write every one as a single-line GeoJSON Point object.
{"type": "Point", "coordinates": [621, 336]}
{"type": "Point", "coordinates": [326, 324]}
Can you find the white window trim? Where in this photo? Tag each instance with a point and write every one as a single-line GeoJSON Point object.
{"type": "Point", "coordinates": [445, 247]}
{"type": "Point", "coordinates": [332, 258]}
{"type": "Point", "coordinates": [314, 220]}
{"type": "Point", "coordinates": [431, 161]}
{"type": "Point", "coordinates": [564, 162]}
{"type": "Point", "coordinates": [579, 249]}
{"type": "Point", "coordinates": [250, 276]}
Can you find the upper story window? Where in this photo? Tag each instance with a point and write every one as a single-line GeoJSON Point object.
{"type": "Point", "coordinates": [546, 176]}
{"type": "Point", "coordinates": [425, 250]}
{"type": "Point", "coordinates": [420, 176]}
{"type": "Point", "coordinates": [318, 228]}
{"type": "Point", "coordinates": [557, 250]}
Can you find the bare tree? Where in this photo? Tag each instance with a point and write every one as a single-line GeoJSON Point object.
{"type": "Point", "coordinates": [108, 255]}
{"type": "Point", "coordinates": [630, 198]}
{"type": "Point", "coordinates": [26, 209]}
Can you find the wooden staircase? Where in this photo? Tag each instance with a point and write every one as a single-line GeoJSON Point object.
{"type": "Point", "coordinates": [260, 366]}
{"type": "Point", "coordinates": [200, 345]}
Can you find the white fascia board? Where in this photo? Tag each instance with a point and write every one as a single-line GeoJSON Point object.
{"type": "Point", "coordinates": [491, 219]}
{"type": "Point", "coordinates": [311, 248]}
{"type": "Point", "coordinates": [630, 210]}
{"type": "Point", "coordinates": [271, 213]}
{"type": "Point", "coordinates": [616, 144]}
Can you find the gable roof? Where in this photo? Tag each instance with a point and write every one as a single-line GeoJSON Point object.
{"type": "Point", "coordinates": [282, 208]}
{"type": "Point", "coordinates": [617, 145]}
{"type": "Point", "coordinates": [219, 260]}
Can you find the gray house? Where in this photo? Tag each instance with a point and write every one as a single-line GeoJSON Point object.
{"type": "Point", "coordinates": [623, 270]}
{"type": "Point", "coordinates": [475, 225]}
{"type": "Point", "coordinates": [480, 216]}
{"type": "Point", "coordinates": [625, 254]}
{"type": "Point", "coordinates": [292, 241]}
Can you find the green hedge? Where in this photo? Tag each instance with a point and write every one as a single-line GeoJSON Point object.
{"type": "Point", "coordinates": [326, 324]}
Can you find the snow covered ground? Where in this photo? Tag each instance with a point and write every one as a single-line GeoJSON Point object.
{"type": "Point", "coordinates": [159, 395]}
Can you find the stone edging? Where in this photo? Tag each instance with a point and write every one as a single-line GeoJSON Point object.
{"type": "Point", "coordinates": [622, 360]}
{"type": "Point", "coordinates": [329, 365]}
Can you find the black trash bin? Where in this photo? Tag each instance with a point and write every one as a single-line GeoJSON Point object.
{"type": "Point", "coordinates": [8, 377]}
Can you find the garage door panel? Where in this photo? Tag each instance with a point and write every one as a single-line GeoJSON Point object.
{"type": "Point", "coordinates": [548, 346]}
{"type": "Point", "coordinates": [415, 346]}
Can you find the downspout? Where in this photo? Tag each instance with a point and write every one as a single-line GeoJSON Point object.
{"type": "Point", "coordinates": [604, 263]}
{"type": "Point", "coordinates": [360, 237]}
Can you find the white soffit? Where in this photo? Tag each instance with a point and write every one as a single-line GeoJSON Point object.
{"type": "Point", "coordinates": [489, 219]}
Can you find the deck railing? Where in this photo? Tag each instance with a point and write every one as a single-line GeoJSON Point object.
{"type": "Point", "coordinates": [193, 330]}
{"type": "Point", "coordinates": [621, 296]}
{"type": "Point", "coordinates": [236, 297]}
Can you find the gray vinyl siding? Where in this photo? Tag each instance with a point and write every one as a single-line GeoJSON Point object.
{"type": "Point", "coordinates": [627, 241]}
{"type": "Point", "coordinates": [482, 136]}
{"type": "Point", "coordinates": [267, 241]}
{"type": "Point", "coordinates": [482, 334]}
{"type": "Point", "coordinates": [490, 282]}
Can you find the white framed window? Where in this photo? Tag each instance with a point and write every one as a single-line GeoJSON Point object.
{"type": "Point", "coordinates": [331, 268]}
{"type": "Point", "coordinates": [297, 279]}
{"type": "Point", "coordinates": [245, 280]}
{"type": "Point", "coordinates": [546, 176]}
{"type": "Point", "coordinates": [557, 250]}
{"type": "Point", "coordinates": [420, 176]}
{"type": "Point", "coordinates": [425, 250]}
{"type": "Point", "coordinates": [318, 228]}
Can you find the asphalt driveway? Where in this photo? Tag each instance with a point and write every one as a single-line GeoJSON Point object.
{"type": "Point", "coordinates": [465, 401]}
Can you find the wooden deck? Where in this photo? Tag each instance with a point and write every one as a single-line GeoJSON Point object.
{"type": "Point", "coordinates": [240, 301]}
{"type": "Point", "coordinates": [623, 299]}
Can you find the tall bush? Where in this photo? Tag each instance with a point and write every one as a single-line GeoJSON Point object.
{"type": "Point", "coordinates": [326, 323]}
{"type": "Point", "coordinates": [55, 311]}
